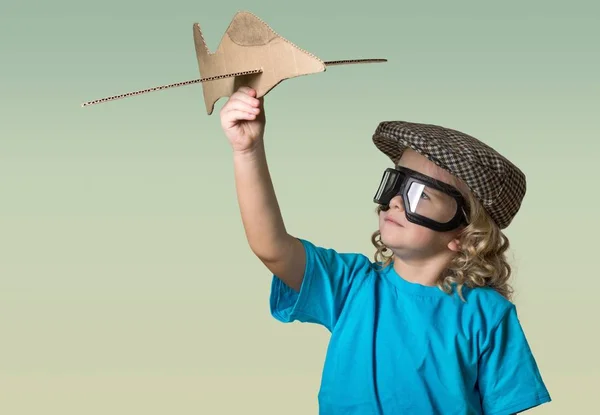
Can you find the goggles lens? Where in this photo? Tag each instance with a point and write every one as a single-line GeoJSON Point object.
{"type": "Point", "coordinates": [430, 203]}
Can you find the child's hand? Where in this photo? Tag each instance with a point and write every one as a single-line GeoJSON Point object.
{"type": "Point", "coordinates": [243, 119]}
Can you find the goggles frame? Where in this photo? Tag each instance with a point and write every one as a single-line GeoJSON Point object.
{"type": "Point", "coordinates": [403, 178]}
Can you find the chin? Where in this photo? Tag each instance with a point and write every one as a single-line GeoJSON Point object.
{"type": "Point", "coordinates": [393, 240]}
{"type": "Point", "coordinates": [409, 237]}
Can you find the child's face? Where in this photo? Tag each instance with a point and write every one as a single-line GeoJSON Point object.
{"type": "Point", "coordinates": [407, 239]}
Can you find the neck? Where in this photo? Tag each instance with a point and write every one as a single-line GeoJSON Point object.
{"type": "Point", "coordinates": [424, 271]}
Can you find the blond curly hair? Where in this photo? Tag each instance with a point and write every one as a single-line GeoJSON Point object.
{"type": "Point", "coordinates": [481, 261]}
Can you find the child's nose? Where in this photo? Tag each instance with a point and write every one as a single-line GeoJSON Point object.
{"type": "Point", "coordinates": [396, 203]}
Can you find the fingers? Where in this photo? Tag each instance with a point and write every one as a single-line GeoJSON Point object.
{"type": "Point", "coordinates": [247, 90]}
{"type": "Point", "coordinates": [240, 105]}
{"type": "Point", "coordinates": [247, 95]}
{"type": "Point", "coordinates": [237, 115]}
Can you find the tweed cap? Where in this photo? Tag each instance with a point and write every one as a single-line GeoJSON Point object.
{"type": "Point", "coordinates": [496, 182]}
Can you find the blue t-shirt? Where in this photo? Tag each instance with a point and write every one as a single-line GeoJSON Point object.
{"type": "Point", "coordinates": [403, 348]}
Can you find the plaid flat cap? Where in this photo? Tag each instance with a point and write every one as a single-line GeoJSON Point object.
{"type": "Point", "coordinates": [496, 182]}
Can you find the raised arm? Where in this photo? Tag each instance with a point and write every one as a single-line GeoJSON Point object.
{"type": "Point", "coordinates": [243, 121]}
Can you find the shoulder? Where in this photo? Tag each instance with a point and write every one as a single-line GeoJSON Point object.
{"type": "Point", "coordinates": [335, 258]}
{"type": "Point", "coordinates": [487, 301]}
{"type": "Point", "coordinates": [484, 309]}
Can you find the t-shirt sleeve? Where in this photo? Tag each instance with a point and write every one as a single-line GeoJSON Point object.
{"type": "Point", "coordinates": [328, 279]}
{"type": "Point", "coordinates": [509, 380]}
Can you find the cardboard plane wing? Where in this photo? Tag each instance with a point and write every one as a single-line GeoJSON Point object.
{"type": "Point", "coordinates": [251, 54]}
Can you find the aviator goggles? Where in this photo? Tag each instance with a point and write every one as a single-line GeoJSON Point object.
{"type": "Point", "coordinates": [427, 202]}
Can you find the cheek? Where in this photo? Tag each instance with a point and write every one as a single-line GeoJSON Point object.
{"type": "Point", "coordinates": [381, 222]}
{"type": "Point", "coordinates": [419, 235]}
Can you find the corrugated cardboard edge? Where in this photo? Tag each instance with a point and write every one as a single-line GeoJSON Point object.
{"type": "Point", "coordinates": [236, 74]}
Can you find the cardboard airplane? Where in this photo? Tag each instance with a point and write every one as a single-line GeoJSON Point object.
{"type": "Point", "coordinates": [251, 54]}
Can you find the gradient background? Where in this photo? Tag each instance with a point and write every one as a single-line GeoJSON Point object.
{"type": "Point", "coordinates": [126, 284]}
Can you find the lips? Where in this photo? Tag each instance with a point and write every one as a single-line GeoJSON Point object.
{"type": "Point", "coordinates": [390, 220]}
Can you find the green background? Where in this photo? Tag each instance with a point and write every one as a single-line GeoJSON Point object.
{"type": "Point", "coordinates": [126, 284]}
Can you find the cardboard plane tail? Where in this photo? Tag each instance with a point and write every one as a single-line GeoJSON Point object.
{"type": "Point", "coordinates": [251, 54]}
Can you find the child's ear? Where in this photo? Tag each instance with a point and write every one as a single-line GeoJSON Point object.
{"type": "Point", "coordinates": [454, 245]}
